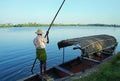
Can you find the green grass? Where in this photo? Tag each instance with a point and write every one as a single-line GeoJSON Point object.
{"type": "Point", "coordinates": [108, 72]}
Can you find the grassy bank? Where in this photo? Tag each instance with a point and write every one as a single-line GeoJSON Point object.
{"type": "Point", "coordinates": [108, 72]}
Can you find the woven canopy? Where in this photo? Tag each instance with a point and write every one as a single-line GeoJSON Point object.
{"type": "Point", "coordinates": [90, 44]}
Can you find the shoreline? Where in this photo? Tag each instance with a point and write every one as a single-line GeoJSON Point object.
{"type": "Point", "coordinates": [37, 25]}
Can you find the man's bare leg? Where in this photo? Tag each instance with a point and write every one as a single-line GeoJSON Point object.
{"type": "Point", "coordinates": [44, 63]}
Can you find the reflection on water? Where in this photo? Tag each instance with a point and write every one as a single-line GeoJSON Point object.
{"type": "Point", "coordinates": [18, 52]}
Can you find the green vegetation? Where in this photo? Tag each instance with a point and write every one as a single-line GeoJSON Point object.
{"type": "Point", "coordinates": [108, 72]}
{"type": "Point", "coordinates": [20, 25]}
{"type": "Point", "coordinates": [6, 25]}
{"type": "Point", "coordinates": [38, 24]}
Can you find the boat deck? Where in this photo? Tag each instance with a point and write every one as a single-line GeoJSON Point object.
{"type": "Point", "coordinates": [70, 68]}
{"type": "Point", "coordinates": [81, 64]}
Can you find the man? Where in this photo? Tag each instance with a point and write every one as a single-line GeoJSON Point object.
{"type": "Point", "coordinates": [39, 43]}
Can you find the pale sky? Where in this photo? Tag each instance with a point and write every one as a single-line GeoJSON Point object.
{"type": "Point", "coordinates": [73, 11]}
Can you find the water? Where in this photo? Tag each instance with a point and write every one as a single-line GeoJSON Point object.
{"type": "Point", "coordinates": [17, 51]}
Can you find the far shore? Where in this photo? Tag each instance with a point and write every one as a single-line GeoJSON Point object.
{"type": "Point", "coordinates": [36, 25]}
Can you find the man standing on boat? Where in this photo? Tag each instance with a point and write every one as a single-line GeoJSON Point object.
{"type": "Point", "coordinates": [39, 43]}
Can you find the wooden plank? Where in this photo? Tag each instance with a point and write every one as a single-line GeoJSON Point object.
{"type": "Point", "coordinates": [63, 70]}
{"type": "Point", "coordinates": [93, 60]}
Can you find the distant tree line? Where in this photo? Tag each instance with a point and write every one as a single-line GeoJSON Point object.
{"type": "Point", "coordinates": [6, 25]}
{"type": "Point", "coordinates": [38, 24]}
{"type": "Point", "coordinates": [113, 25]}
{"type": "Point", "coordinates": [27, 25]}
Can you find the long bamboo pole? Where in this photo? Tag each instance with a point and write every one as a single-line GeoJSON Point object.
{"type": "Point", "coordinates": [47, 32]}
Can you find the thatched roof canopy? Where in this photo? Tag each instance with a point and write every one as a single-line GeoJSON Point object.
{"type": "Point", "coordinates": [90, 43]}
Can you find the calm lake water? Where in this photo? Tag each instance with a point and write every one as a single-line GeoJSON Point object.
{"type": "Point", "coordinates": [17, 51]}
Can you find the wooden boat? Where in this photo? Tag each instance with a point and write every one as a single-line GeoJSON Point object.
{"type": "Point", "coordinates": [94, 50]}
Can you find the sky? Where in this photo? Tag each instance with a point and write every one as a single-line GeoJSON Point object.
{"type": "Point", "coordinates": [72, 12]}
